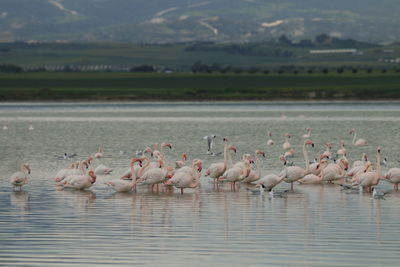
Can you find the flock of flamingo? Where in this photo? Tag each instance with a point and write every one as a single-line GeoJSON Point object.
{"type": "Point", "coordinates": [150, 168]}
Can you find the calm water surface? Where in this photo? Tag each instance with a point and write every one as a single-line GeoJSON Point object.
{"type": "Point", "coordinates": [313, 225]}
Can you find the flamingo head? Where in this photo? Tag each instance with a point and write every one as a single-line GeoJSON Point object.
{"type": "Point", "coordinates": [89, 160]}
{"type": "Point", "coordinates": [352, 131]}
{"type": "Point", "coordinates": [225, 139]}
{"type": "Point", "coordinates": [328, 145]}
{"type": "Point", "coordinates": [233, 148]}
{"type": "Point", "coordinates": [167, 145]}
{"type": "Point", "coordinates": [269, 133]}
{"type": "Point", "coordinates": [378, 149]}
{"type": "Point", "coordinates": [283, 159]}
{"type": "Point", "coordinates": [260, 152]}
{"type": "Point", "coordinates": [344, 163]}
{"type": "Point", "coordinates": [136, 160]}
{"type": "Point", "coordinates": [26, 166]}
{"type": "Point", "coordinates": [199, 164]}
{"type": "Point", "coordinates": [184, 157]}
{"type": "Point", "coordinates": [309, 142]}
{"type": "Point", "coordinates": [170, 182]}
{"type": "Point", "coordinates": [161, 163]}
{"type": "Point", "coordinates": [287, 135]}
{"type": "Point", "coordinates": [92, 176]}
{"type": "Point", "coordinates": [148, 150]}
{"type": "Point", "coordinates": [86, 164]}
{"type": "Point", "coordinates": [323, 156]}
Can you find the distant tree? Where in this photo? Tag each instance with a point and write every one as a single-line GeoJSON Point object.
{"type": "Point", "coordinates": [310, 71]}
{"type": "Point", "coordinates": [266, 72]}
{"type": "Point", "coordinates": [340, 70]}
{"type": "Point", "coordinates": [143, 68]}
{"type": "Point", "coordinates": [325, 71]}
{"type": "Point", "coordinates": [10, 68]}
{"type": "Point", "coordinates": [322, 39]}
{"type": "Point", "coordinates": [284, 40]}
{"type": "Point", "coordinates": [354, 71]}
{"type": "Point", "coordinates": [384, 70]}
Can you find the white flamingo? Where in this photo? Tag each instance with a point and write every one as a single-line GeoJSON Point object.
{"type": "Point", "coordinates": [74, 168]}
{"type": "Point", "coordinates": [342, 150]}
{"type": "Point", "coordinates": [371, 178]}
{"type": "Point", "coordinates": [294, 173]}
{"type": "Point", "coordinates": [313, 177]}
{"type": "Point", "coordinates": [335, 171]}
{"type": "Point", "coordinates": [187, 178]}
{"type": "Point", "coordinates": [271, 180]}
{"type": "Point", "coordinates": [20, 178]}
{"type": "Point", "coordinates": [393, 176]}
{"type": "Point", "coordinates": [364, 159]}
{"type": "Point", "coordinates": [103, 170]}
{"type": "Point", "coordinates": [358, 142]}
{"type": "Point", "coordinates": [155, 176]}
{"type": "Point", "coordinates": [217, 169]}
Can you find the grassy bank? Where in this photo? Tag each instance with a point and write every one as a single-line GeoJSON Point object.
{"type": "Point", "coordinates": [187, 86]}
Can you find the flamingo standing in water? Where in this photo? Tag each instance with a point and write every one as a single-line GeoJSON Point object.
{"type": "Point", "coordinates": [187, 178]}
{"type": "Point", "coordinates": [271, 180]}
{"type": "Point", "coordinates": [371, 178]}
{"type": "Point", "coordinates": [308, 134]}
{"type": "Point", "coordinates": [155, 176]}
{"type": "Point", "coordinates": [286, 145]}
{"type": "Point", "coordinates": [21, 177]}
{"type": "Point", "coordinates": [270, 142]}
{"type": "Point", "coordinates": [358, 142]}
{"type": "Point", "coordinates": [217, 169]}
{"type": "Point", "coordinates": [294, 173]}
{"type": "Point", "coordinates": [255, 175]}
{"type": "Point", "coordinates": [313, 177]}
{"type": "Point", "coordinates": [236, 174]}
{"type": "Point", "coordinates": [335, 171]}
{"type": "Point", "coordinates": [103, 170]}
{"type": "Point", "coordinates": [364, 159]}
{"type": "Point", "coordinates": [393, 176]}
{"type": "Point", "coordinates": [122, 185]}
{"type": "Point", "coordinates": [74, 168]}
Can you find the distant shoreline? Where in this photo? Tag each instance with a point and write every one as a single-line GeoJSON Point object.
{"type": "Point", "coordinates": [184, 87]}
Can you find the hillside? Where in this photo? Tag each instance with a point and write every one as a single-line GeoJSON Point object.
{"type": "Point", "coordinates": [188, 20]}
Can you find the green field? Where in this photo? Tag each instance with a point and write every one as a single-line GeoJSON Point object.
{"type": "Point", "coordinates": [188, 86]}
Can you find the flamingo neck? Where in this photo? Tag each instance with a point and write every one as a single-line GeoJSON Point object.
{"type": "Point", "coordinates": [305, 154]}
{"type": "Point", "coordinates": [354, 137]}
{"type": "Point", "coordinates": [378, 164]}
{"type": "Point", "coordinates": [225, 155]}
{"type": "Point", "coordinates": [258, 163]}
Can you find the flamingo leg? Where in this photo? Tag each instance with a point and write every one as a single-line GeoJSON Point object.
{"type": "Point", "coordinates": [291, 186]}
{"type": "Point", "coordinates": [181, 190]}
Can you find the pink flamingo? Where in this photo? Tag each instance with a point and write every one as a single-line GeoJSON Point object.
{"type": "Point", "coordinates": [155, 176]}
{"type": "Point", "coordinates": [356, 171]}
{"type": "Point", "coordinates": [342, 151]}
{"type": "Point", "coordinates": [364, 159]}
{"type": "Point", "coordinates": [255, 175]}
{"type": "Point", "coordinates": [286, 145]}
{"type": "Point", "coordinates": [271, 180]}
{"type": "Point", "coordinates": [393, 176]}
{"type": "Point", "coordinates": [99, 153]}
{"type": "Point", "coordinates": [82, 181]}
{"type": "Point", "coordinates": [314, 178]}
{"type": "Point", "coordinates": [121, 185]}
{"type": "Point", "coordinates": [217, 169]}
{"type": "Point", "coordinates": [358, 142]}
{"type": "Point", "coordinates": [327, 153]}
{"type": "Point", "coordinates": [371, 178]}
{"type": "Point", "coordinates": [187, 178]}
{"type": "Point", "coordinates": [103, 170]}
{"type": "Point", "coordinates": [294, 173]}
{"type": "Point", "coordinates": [335, 171]}
{"type": "Point", "coordinates": [182, 162]}
{"type": "Point", "coordinates": [290, 153]}
{"type": "Point", "coordinates": [270, 142]}
{"type": "Point", "coordinates": [20, 178]}
{"type": "Point", "coordinates": [236, 174]}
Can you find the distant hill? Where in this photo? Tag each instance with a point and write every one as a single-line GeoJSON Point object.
{"type": "Point", "coordinates": [161, 21]}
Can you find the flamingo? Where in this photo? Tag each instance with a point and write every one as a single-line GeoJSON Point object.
{"type": "Point", "coordinates": [271, 180]}
{"type": "Point", "coordinates": [236, 174]}
{"type": "Point", "coordinates": [81, 181]}
{"type": "Point", "coordinates": [270, 142]}
{"type": "Point", "coordinates": [99, 153]}
{"type": "Point", "coordinates": [217, 169]}
{"type": "Point", "coordinates": [154, 176]}
{"type": "Point", "coordinates": [286, 145]}
{"type": "Point", "coordinates": [335, 171]}
{"type": "Point", "coordinates": [121, 185]}
{"type": "Point", "coordinates": [317, 167]}
{"type": "Point", "coordinates": [30, 128]}
{"type": "Point", "coordinates": [308, 134]}
{"type": "Point", "coordinates": [364, 159]}
{"type": "Point", "coordinates": [327, 153]}
{"type": "Point", "coordinates": [358, 142]}
{"type": "Point", "coordinates": [103, 170]}
{"type": "Point", "coordinates": [313, 177]}
{"type": "Point", "coordinates": [160, 153]}
{"type": "Point", "coordinates": [393, 176]}
{"type": "Point", "coordinates": [182, 162]}
{"type": "Point", "coordinates": [74, 168]}
{"type": "Point", "coordinates": [290, 153]}
{"type": "Point", "coordinates": [371, 178]}
{"type": "Point", "coordinates": [5, 127]}
{"type": "Point", "coordinates": [255, 175]}
{"type": "Point", "coordinates": [294, 173]}
{"type": "Point", "coordinates": [356, 171]}
{"type": "Point", "coordinates": [342, 151]}
{"type": "Point", "coordinates": [20, 178]}
{"type": "Point", "coordinates": [187, 179]}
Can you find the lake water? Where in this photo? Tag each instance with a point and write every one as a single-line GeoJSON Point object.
{"type": "Point", "coordinates": [313, 225]}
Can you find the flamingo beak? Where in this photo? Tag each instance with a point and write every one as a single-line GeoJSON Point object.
{"type": "Point", "coordinates": [312, 145]}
